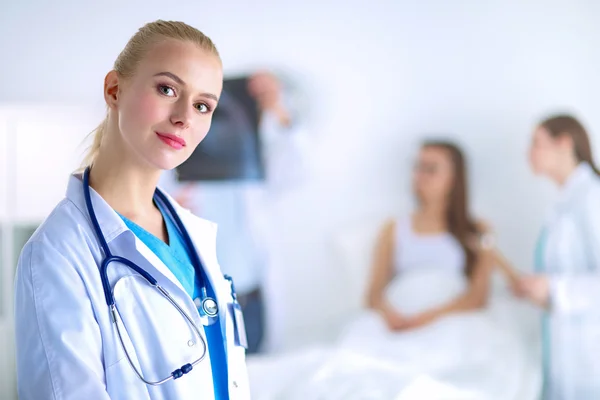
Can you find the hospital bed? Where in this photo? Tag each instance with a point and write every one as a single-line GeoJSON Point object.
{"type": "Point", "coordinates": [283, 376]}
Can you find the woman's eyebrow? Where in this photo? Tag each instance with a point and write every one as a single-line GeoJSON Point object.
{"type": "Point", "coordinates": [182, 83]}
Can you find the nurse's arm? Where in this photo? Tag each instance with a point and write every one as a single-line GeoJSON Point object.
{"type": "Point", "coordinates": [512, 275]}
{"type": "Point", "coordinates": [58, 343]}
{"type": "Point", "coordinates": [285, 145]}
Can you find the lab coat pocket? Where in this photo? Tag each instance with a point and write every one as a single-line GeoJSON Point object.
{"type": "Point", "coordinates": [158, 338]}
{"type": "Point", "coordinates": [123, 384]}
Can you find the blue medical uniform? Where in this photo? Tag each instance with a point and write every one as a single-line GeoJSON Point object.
{"type": "Point", "coordinates": [176, 256]}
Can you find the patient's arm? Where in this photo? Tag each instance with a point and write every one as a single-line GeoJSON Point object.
{"type": "Point", "coordinates": [381, 269]}
{"type": "Point", "coordinates": [514, 278]}
{"type": "Point", "coordinates": [381, 275]}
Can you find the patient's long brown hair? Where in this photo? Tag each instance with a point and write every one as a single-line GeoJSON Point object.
{"type": "Point", "coordinates": [460, 223]}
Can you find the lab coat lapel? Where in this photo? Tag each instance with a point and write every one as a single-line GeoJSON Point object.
{"type": "Point", "coordinates": [157, 263]}
{"type": "Point", "coordinates": [575, 186]}
{"type": "Point", "coordinates": [204, 239]}
{"type": "Point", "coordinates": [113, 228]}
{"type": "Point", "coordinates": [204, 236]}
{"type": "Point", "coordinates": [564, 217]}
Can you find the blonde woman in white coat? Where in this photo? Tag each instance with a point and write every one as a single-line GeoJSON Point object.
{"type": "Point", "coordinates": [159, 321]}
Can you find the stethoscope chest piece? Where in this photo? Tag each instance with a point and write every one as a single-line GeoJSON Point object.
{"type": "Point", "coordinates": [207, 307]}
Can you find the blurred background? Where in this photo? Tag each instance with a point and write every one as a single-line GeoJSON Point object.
{"type": "Point", "coordinates": [369, 81]}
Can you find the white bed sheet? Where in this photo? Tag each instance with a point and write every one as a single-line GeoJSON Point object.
{"type": "Point", "coordinates": [490, 355]}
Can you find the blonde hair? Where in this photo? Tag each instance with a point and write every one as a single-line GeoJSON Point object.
{"type": "Point", "coordinates": [134, 52]}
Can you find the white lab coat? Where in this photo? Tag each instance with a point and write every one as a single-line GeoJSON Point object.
{"type": "Point", "coordinates": [66, 345]}
{"type": "Point", "coordinates": [571, 258]}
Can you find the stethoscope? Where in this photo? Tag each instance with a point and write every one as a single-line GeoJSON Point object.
{"type": "Point", "coordinates": [208, 306]}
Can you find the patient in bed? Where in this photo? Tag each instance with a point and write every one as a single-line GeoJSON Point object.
{"type": "Point", "coordinates": [426, 317]}
{"type": "Point", "coordinates": [426, 332]}
{"type": "Point", "coordinates": [439, 241]}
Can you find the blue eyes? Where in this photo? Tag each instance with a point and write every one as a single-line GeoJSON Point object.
{"type": "Point", "coordinates": [165, 90]}
{"type": "Point", "coordinates": [203, 108]}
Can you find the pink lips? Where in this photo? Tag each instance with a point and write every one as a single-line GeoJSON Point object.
{"type": "Point", "coordinates": [174, 141]}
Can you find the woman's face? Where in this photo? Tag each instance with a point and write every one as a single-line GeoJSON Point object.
{"type": "Point", "coordinates": [544, 152]}
{"type": "Point", "coordinates": [433, 175]}
{"type": "Point", "coordinates": [165, 110]}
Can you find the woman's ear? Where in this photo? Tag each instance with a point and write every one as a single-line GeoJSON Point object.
{"type": "Point", "coordinates": [111, 89]}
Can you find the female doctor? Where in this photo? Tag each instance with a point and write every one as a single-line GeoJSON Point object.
{"type": "Point", "coordinates": [567, 282]}
{"type": "Point", "coordinates": [119, 294]}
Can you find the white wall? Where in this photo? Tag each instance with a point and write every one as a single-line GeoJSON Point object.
{"type": "Point", "coordinates": [375, 76]}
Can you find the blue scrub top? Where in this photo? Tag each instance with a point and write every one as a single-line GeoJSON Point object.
{"type": "Point", "coordinates": [176, 256]}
